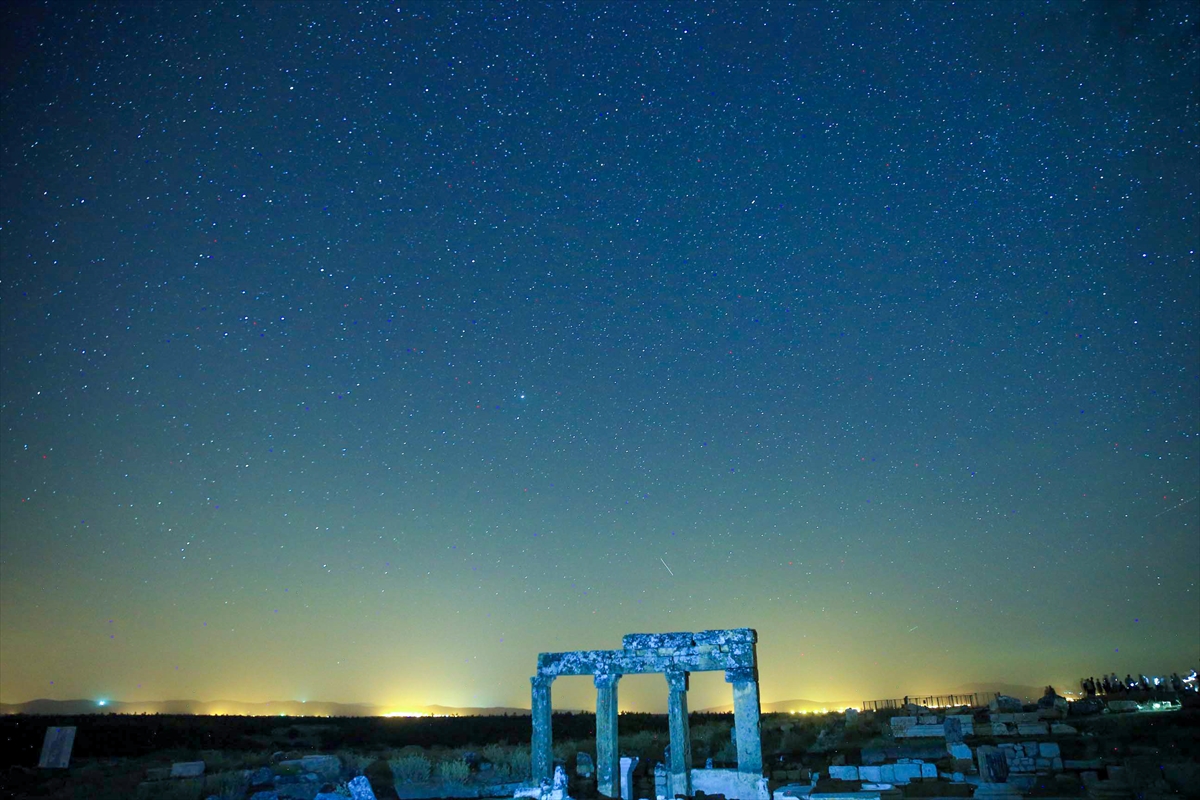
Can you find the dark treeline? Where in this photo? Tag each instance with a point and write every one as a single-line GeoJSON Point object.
{"type": "Point", "coordinates": [129, 735]}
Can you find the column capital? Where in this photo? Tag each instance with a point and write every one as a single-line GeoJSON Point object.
{"type": "Point", "coordinates": [542, 681]}
{"type": "Point", "coordinates": [677, 680]}
{"type": "Point", "coordinates": [605, 680]}
{"type": "Point", "coordinates": [741, 674]}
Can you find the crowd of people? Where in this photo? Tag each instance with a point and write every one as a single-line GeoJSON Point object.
{"type": "Point", "coordinates": [1113, 685]}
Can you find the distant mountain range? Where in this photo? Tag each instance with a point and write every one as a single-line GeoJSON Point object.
{"type": "Point", "coordinates": [296, 708]}
{"type": "Point", "coordinates": [282, 708]}
{"type": "Point", "coordinates": [1026, 693]}
{"type": "Point", "coordinates": [788, 706]}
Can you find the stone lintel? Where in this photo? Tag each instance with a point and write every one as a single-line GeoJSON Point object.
{"type": "Point", "coordinates": [676, 641]}
{"type": "Point", "coordinates": [706, 651]}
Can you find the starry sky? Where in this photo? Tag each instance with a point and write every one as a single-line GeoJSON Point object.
{"type": "Point", "coordinates": [361, 351]}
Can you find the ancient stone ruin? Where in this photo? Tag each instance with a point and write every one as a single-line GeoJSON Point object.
{"type": "Point", "coordinates": [675, 655]}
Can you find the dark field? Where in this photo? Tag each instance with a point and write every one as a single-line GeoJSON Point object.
{"type": "Point", "coordinates": [114, 755]}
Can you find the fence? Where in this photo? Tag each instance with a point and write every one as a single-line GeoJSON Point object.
{"type": "Point", "coordinates": [933, 701]}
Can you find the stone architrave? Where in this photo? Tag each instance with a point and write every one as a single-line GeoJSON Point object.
{"type": "Point", "coordinates": [56, 748]}
{"type": "Point", "coordinates": [680, 766]}
{"type": "Point", "coordinates": [675, 655]}
{"type": "Point", "coordinates": [542, 757]}
{"type": "Point", "coordinates": [607, 756]}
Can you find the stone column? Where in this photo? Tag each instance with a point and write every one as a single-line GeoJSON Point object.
{"type": "Point", "coordinates": [747, 732]}
{"type": "Point", "coordinates": [680, 777]}
{"type": "Point", "coordinates": [542, 755]}
{"type": "Point", "coordinates": [608, 771]}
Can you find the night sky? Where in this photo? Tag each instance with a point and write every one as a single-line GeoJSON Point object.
{"type": "Point", "coordinates": [360, 352]}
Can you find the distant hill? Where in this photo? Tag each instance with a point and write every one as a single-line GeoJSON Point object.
{"type": "Point", "coordinates": [1030, 694]}
{"type": "Point", "coordinates": [282, 708]}
{"type": "Point", "coordinates": [295, 708]}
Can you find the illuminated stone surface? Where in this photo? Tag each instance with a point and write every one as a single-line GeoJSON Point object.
{"type": "Point", "coordinates": [675, 655]}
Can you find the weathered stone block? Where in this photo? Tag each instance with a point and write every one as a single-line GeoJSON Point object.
{"type": "Point", "coordinates": [360, 788]}
{"type": "Point", "coordinates": [966, 723]}
{"type": "Point", "coordinates": [928, 771]}
{"type": "Point", "coordinates": [1004, 703]}
{"type": "Point", "coordinates": [1122, 706]}
{"type": "Point", "coordinates": [325, 766]}
{"type": "Point", "coordinates": [1033, 729]}
{"type": "Point", "coordinates": [1048, 750]}
{"type": "Point", "coordinates": [959, 751]}
{"type": "Point", "coordinates": [843, 773]}
{"type": "Point", "coordinates": [1063, 729]}
{"type": "Point", "coordinates": [870, 774]}
{"type": "Point", "coordinates": [906, 773]}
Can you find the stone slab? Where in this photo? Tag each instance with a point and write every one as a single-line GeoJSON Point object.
{"type": "Point", "coordinates": [56, 747]}
{"type": "Point", "coordinates": [843, 773]}
{"type": "Point", "coordinates": [730, 783]}
{"type": "Point", "coordinates": [869, 774]}
{"type": "Point", "coordinates": [793, 791]}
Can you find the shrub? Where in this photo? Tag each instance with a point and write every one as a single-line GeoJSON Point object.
{"type": "Point", "coordinates": [519, 764]}
{"type": "Point", "coordinates": [496, 754]}
{"type": "Point", "coordinates": [646, 745]}
{"type": "Point", "coordinates": [708, 739]}
{"type": "Point", "coordinates": [187, 789]}
{"type": "Point", "coordinates": [410, 768]}
{"type": "Point", "coordinates": [453, 770]}
{"type": "Point", "coordinates": [227, 785]}
{"type": "Point", "coordinates": [355, 764]}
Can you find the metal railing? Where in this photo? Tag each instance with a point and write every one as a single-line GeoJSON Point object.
{"type": "Point", "coordinates": [975, 699]}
